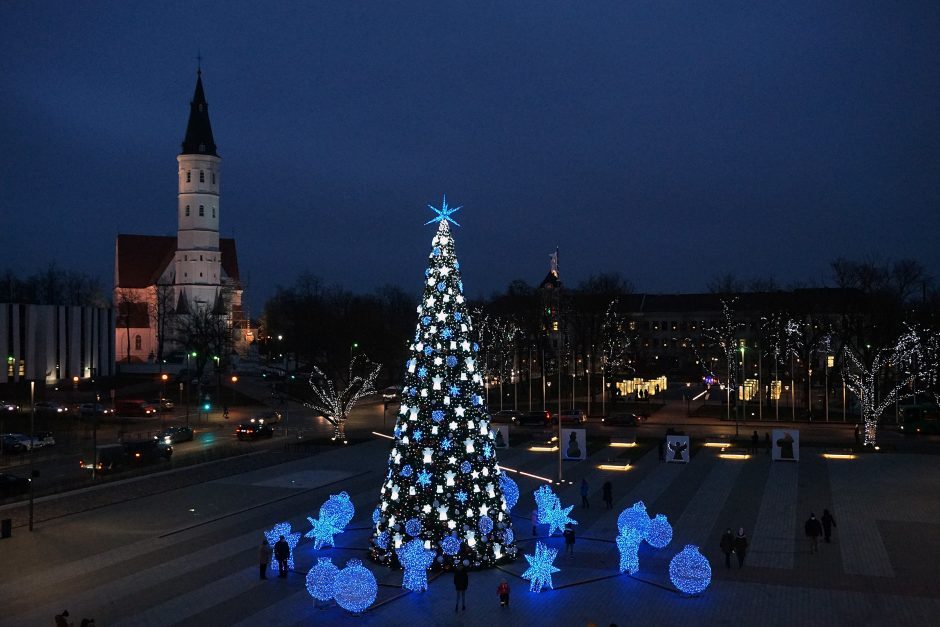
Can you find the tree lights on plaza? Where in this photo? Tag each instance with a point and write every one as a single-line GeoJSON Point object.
{"type": "Point", "coordinates": [541, 567]}
{"type": "Point", "coordinates": [689, 571]}
{"type": "Point", "coordinates": [443, 485]}
{"type": "Point", "coordinates": [334, 403]}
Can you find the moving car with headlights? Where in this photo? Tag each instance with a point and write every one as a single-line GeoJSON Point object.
{"type": "Point", "coordinates": [573, 416]}
{"type": "Point", "coordinates": [8, 406]}
{"type": "Point", "coordinates": [113, 457]}
{"type": "Point", "coordinates": [88, 410]}
{"type": "Point", "coordinates": [134, 408]}
{"type": "Point", "coordinates": [622, 420]}
{"type": "Point", "coordinates": [161, 404]}
{"type": "Point", "coordinates": [253, 430]}
{"type": "Point", "coordinates": [172, 435]}
{"type": "Point", "coordinates": [51, 407]}
{"type": "Point", "coordinates": [506, 416]}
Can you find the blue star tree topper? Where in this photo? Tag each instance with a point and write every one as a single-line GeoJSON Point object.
{"type": "Point", "coordinates": [454, 478]}
{"type": "Point", "coordinates": [541, 567]}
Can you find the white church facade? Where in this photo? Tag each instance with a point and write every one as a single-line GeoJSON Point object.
{"type": "Point", "coordinates": [156, 277]}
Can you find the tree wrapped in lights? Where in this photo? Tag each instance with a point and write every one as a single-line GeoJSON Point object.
{"type": "Point", "coordinates": [336, 403]}
{"type": "Point", "coordinates": [863, 372]}
{"type": "Point", "coordinates": [442, 470]}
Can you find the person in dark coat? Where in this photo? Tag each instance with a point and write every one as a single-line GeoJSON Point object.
{"type": "Point", "coordinates": [264, 557]}
{"type": "Point", "coordinates": [61, 620]}
{"type": "Point", "coordinates": [584, 493]}
{"type": "Point", "coordinates": [813, 531]}
{"type": "Point", "coordinates": [608, 489]}
{"type": "Point", "coordinates": [461, 583]}
{"type": "Point", "coordinates": [740, 546]}
{"type": "Point", "coordinates": [727, 546]}
{"type": "Point", "coordinates": [828, 522]}
{"type": "Point", "coordinates": [755, 441]}
{"type": "Point", "coordinates": [767, 445]}
{"type": "Point", "coordinates": [281, 554]}
{"type": "Point", "coordinates": [569, 539]}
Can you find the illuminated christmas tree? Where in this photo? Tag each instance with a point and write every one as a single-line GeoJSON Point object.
{"type": "Point", "coordinates": [443, 482]}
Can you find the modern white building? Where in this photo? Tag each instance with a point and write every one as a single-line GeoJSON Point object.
{"type": "Point", "coordinates": [156, 277]}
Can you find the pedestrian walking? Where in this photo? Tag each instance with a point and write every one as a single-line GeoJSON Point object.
{"type": "Point", "coordinates": [813, 531]}
{"type": "Point", "coordinates": [264, 557]}
{"type": "Point", "coordinates": [502, 591]}
{"type": "Point", "coordinates": [461, 583]}
{"type": "Point", "coordinates": [828, 522]}
{"type": "Point", "coordinates": [569, 539]}
{"type": "Point", "coordinates": [755, 440]}
{"type": "Point", "coordinates": [608, 489]}
{"type": "Point", "coordinates": [584, 494]}
{"type": "Point", "coordinates": [61, 620]}
{"type": "Point", "coordinates": [727, 546]}
{"type": "Point", "coordinates": [767, 442]}
{"type": "Point", "coordinates": [740, 546]}
{"type": "Point", "coordinates": [281, 554]}
{"type": "Point", "coordinates": [535, 522]}
{"type": "Point", "coordinates": [858, 435]}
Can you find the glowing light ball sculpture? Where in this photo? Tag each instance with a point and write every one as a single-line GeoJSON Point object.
{"type": "Point", "coordinates": [416, 560]}
{"type": "Point", "coordinates": [510, 490]}
{"type": "Point", "coordinates": [628, 543]}
{"type": "Point", "coordinates": [340, 508]}
{"type": "Point", "coordinates": [442, 466]}
{"type": "Point", "coordinates": [321, 579]}
{"type": "Point", "coordinates": [541, 567]}
{"type": "Point", "coordinates": [355, 587]}
{"type": "Point", "coordinates": [689, 571]}
{"type": "Point", "coordinates": [284, 529]}
{"type": "Point", "coordinates": [635, 517]}
{"type": "Point", "coordinates": [660, 532]}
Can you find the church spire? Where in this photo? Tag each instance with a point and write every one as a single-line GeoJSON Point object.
{"type": "Point", "coordinates": [199, 140]}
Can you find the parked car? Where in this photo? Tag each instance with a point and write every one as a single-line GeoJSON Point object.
{"type": "Point", "coordinates": [253, 430]}
{"type": "Point", "coordinates": [268, 418]}
{"type": "Point", "coordinates": [147, 451]}
{"type": "Point", "coordinates": [10, 445]}
{"type": "Point", "coordinates": [622, 420]}
{"type": "Point", "coordinates": [45, 438]}
{"type": "Point", "coordinates": [51, 407]}
{"type": "Point", "coordinates": [8, 406]}
{"type": "Point", "coordinates": [535, 418]}
{"type": "Point", "coordinates": [922, 419]}
{"type": "Point", "coordinates": [573, 416]}
{"type": "Point", "coordinates": [87, 410]}
{"type": "Point", "coordinates": [105, 458]}
{"type": "Point", "coordinates": [172, 435]}
{"type": "Point", "coordinates": [134, 408]}
{"type": "Point", "coordinates": [27, 442]}
{"type": "Point", "coordinates": [392, 393]}
{"type": "Point", "coordinates": [12, 485]}
{"type": "Point", "coordinates": [507, 416]}
{"type": "Point", "coordinates": [112, 457]}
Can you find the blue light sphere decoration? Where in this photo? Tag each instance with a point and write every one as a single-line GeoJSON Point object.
{"type": "Point", "coordinates": [355, 587]}
{"type": "Point", "coordinates": [485, 524]}
{"type": "Point", "coordinates": [381, 540]}
{"type": "Point", "coordinates": [413, 527]}
{"type": "Point", "coordinates": [689, 571]}
{"type": "Point", "coordinates": [450, 545]}
{"type": "Point", "coordinates": [660, 532]}
{"type": "Point", "coordinates": [510, 490]}
{"type": "Point", "coordinates": [416, 560]}
{"type": "Point", "coordinates": [634, 517]}
{"type": "Point", "coordinates": [376, 515]}
{"type": "Point", "coordinates": [321, 578]}
{"type": "Point", "coordinates": [340, 508]}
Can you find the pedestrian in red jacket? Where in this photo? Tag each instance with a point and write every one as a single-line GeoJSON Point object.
{"type": "Point", "coordinates": [502, 591]}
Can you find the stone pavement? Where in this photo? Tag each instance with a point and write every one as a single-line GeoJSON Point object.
{"type": "Point", "coordinates": [188, 555]}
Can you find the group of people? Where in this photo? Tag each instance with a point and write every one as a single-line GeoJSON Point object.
{"type": "Point", "coordinates": [737, 544]}
{"type": "Point", "coordinates": [281, 552]}
{"type": "Point", "coordinates": [462, 582]}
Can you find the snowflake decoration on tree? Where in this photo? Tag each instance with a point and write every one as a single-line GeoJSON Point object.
{"type": "Point", "coordinates": [424, 478]}
{"type": "Point", "coordinates": [541, 567]}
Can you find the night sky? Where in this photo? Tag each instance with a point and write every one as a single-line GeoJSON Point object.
{"type": "Point", "coordinates": [669, 141]}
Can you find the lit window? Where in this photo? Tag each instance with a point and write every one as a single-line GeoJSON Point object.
{"type": "Point", "coordinates": [189, 176]}
{"type": "Point", "coordinates": [202, 211]}
{"type": "Point", "coordinates": [137, 342]}
{"type": "Point", "coordinates": [202, 176]}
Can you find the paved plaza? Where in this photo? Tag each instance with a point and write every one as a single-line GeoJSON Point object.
{"type": "Point", "coordinates": [181, 548]}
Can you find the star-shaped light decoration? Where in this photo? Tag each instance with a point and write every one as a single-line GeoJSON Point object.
{"type": "Point", "coordinates": [283, 529]}
{"type": "Point", "coordinates": [443, 213]}
{"type": "Point", "coordinates": [557, 518]}
{"type": "Point", "coordinates": [416, 560]}
{"type": "Point", "coordinates": [541, 567]}
{"type": "Point", "coordinates": [460, 411]}
{"type": "Point", "coordinates": [424, 478]}
{"type": "Point", "coordinates": [322, 531]}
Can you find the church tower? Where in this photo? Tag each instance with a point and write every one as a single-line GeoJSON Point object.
{"type": "Point", "coordinates": [197, 263]}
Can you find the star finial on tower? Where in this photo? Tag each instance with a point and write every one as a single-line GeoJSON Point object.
{"type": "Point", "coordinates": [443, 213]}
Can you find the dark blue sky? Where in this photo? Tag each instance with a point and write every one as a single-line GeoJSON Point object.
{"type": "Point", "coordinates": [669, 141]}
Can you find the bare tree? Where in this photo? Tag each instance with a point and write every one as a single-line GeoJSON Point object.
{"type": "Point", "coordinates": [129, 307]}
{"type": "Point", "coordinates": [723, 336]}
{"type": "Point", "coordinates": [894, 367]}
{"type": "Point", "coordinates": [336, 402]}
{"type": "Point", "coordinates": [161, 311]}
{"type": "Point", "coordinates": [204, 334]}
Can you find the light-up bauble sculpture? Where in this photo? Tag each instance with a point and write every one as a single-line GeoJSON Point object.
{"type": "Point", "coordinates": [689, 571]}
{"type": "Point", "coordinates": [321, 579]}
{"type": "Point", "coordinates": [355, 587]}
{"type": "Point", "coordinates": [660, 532]}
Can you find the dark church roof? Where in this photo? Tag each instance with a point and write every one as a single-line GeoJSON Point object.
{"type": "Point", "coordinates": [199, 140]}
{"type": "Point", "coordinates": [142, 259]}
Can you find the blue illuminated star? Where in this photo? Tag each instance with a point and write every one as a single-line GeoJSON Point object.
{"type": "Point", "coordinates": [557, 518]}
{"type": "Point", "coordinates": [443, 213]}
{"type": "Point", "coordinates": [424, 478]}
{"type": "Point", "coordinates": [323, 531]}
{"type": "Point", "coordinates": [540, 568]}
